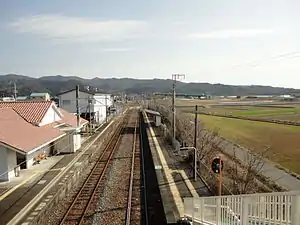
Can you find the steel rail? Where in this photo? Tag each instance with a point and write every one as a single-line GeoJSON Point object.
{"type": "Point", "coordinates": [129, 201]}
{"type": "Point", "coordinates": [143, 174]}
{"type": "Point", "coordinates": [111, 145]}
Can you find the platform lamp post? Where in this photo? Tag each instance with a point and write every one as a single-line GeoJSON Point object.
{"type": "Point", "coordinates": [195, 159]}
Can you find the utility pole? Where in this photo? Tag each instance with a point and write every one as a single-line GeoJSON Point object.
{"type": "Point", "coordinates": [90, 116]}
{"type": "Point", "coordinates": [196, 126]}
{"type": "Point", "coordinates": [77, 105]}
{"type": "Point", "coordinates": [174, 78]}
{"type": "Point", "coordinates": [106, 108]}
{"type": "Point", "coordinates": [15, 91]}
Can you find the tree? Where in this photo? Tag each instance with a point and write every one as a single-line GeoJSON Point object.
{"type": "Point", "coordinates": [246, 174]}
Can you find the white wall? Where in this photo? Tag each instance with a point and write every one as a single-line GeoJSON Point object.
{"type": "Point", "coordinates": [50, 117]}
{"type": "Point", "coordinates": [8, 161]}
{"type": "Point", "coordinates": [66, 144]}
{"type": "Point", "coordinates": [3, 164]}
{"type": "Point", "coordinates": [29, 157]}
{"type": "Point", "coordinates": [63, 144]}
{"type": "Point", "coordinates": [77, 142]}
{"type": "Point", "coordinates": [71, 96]}
{"type": "Point", "coordinates": [12, 162]}
{"type": "Point", "coordinates": [97, 106]}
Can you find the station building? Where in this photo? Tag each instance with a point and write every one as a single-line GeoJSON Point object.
{"type": "Point", "coordinates": [96, 105]}
{"type": "Point", "coordinates": [31, 130]}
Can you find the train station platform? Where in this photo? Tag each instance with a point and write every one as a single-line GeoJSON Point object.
{"type": "Point", "coordinates": [175, 178]}
{"type": "Point", "coordinates": [28, 176]}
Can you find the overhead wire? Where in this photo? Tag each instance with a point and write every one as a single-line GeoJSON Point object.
{"type": "Point", "coordinates": [282, 56]}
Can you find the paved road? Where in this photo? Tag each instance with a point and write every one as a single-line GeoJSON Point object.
{"type": "Point", "coordinates": [280, 177]}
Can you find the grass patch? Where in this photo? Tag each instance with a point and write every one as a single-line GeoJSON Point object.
{"type": "Point", "coordinates": [283, 140]}
{"type": "Point", "coordinates": [288, 114]}
{"type": "Point", "coordinates": [266, 112]}
{"type": "Point", "coordinates": [287, 117]}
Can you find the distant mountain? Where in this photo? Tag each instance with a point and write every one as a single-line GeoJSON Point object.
{"type": "Point", "coordinates": [56, 84]}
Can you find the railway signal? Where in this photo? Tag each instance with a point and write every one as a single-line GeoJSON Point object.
{"type": "Point", "coordinates": [217, 166]}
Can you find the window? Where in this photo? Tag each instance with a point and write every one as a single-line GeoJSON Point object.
{"type": "Point", "coordinates": [66, 102]}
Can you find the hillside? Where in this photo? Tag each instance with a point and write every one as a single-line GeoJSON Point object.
{"type": "Point", "coordinates": [56, 84]}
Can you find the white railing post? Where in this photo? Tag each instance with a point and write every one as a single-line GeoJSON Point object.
{"type": "Point", "coordinates": [265, 208]}
{"type": "Point", "coordinates": [218, 210]}
{"type": "Point", "coordinates": [244, 210]}
{"type": "Point", "coordinates": [202, 208]}
{"type": "Point", "coordinates": [295, 210]}
{"type": "Point", "coordinates": [193, 208]}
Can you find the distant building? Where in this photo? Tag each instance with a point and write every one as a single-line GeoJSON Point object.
{"type": "Point", "coordinates": [96, 103]}
{"type": "Point", "coordinates": [260, 96]}
{"type": "Point", "coordinates": [7, 99]}
{"type": "Point", "coordinates": [22, 98]}
{"type": "Point", "coordinates": [286, 98]}
{"type": "Point", "coordinates": [232, 97]}
{"type": "Point", "coordinates": [40, 96]}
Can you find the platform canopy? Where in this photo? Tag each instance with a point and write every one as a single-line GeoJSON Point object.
{"type": "Point", "coordinates": [152, 112]}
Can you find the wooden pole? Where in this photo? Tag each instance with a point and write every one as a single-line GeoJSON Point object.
{"type": "Point", "coordinates": [106, 108]}
{"type": "Point", "coordinates": [196, 125]}
{"type": "Point", "coordinates": [195, 141]}
{"type": "Point", "coordinates": [90, 113]}
{"type": "Point", "coordinates": [77, 107]}
{"type": "Point", "coordinates": [173, 112]}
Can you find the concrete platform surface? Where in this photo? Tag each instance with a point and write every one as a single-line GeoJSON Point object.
{"type": "Point", "coordinates": [175, 179]}
{"type": "Point", "coordinates": [28, 176]}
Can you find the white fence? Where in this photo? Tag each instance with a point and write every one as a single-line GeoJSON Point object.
{"type": "Point", "coordinates": [256, 209]}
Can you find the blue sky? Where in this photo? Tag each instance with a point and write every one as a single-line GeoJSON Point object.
{"type": "Point", "coordinates": [216, 41]}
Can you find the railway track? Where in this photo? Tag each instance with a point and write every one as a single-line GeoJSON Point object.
{"type": "Point", "coordinates": [120, 203]}
{"type": "Point", "coordinates": [78, 211]}
{"type": "Point", "coordinates": [133, 211]}
{"type": "Point", "coordinates": [112, 196]}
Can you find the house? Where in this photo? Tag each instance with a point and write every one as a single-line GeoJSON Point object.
{"type": "Point", "coordinates": [22, 98]}
{"type": "Point", "coordinates": [40, 96]}
{"type": "Point", "coordinates": [12, 99]}
{"type": "Point", "coordinates": [7, 99]}
{"type": "Point", "coordinates": [260, 97]}
{"type": "Point", "coordinates": [31, 128]}
{"type": "Point", "coordinates": [89, 102]}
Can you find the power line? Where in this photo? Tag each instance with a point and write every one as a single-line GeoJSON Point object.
{"type": "Point", "coordinates": [258, 62]}
{"type": "Point", "coordinates": [255, 63]}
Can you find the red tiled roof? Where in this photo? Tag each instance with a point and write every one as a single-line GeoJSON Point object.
{"type": "Point", "coordinates": [31, 111]}
{"type": "Point", "coordinates": [17, 133]}
{"type": "Point", "coordinates": [70, 118]}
